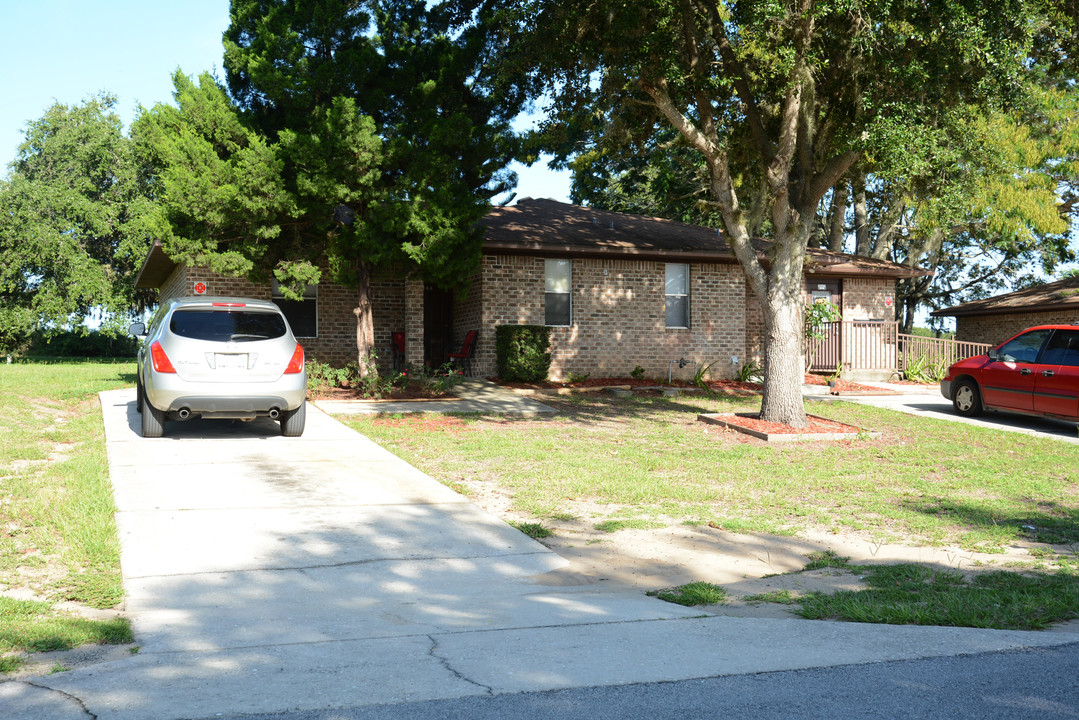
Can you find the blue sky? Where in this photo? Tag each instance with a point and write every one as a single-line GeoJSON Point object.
{"type": "Point", "coordinates": [68, 50]}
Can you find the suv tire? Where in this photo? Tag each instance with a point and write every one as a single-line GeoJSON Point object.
{"type": "Point", "coordinates": [292, 421]}
{"type": "Point", "coordinates": [153, 420]}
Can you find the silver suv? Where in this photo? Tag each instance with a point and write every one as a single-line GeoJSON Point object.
{"type": "Point", "coordinates": [218, 357]}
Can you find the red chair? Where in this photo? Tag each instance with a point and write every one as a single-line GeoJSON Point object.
{"type": "Point", "coordinates": [464, 355]}
{"type": "Point", "coordinates": [397, 349]}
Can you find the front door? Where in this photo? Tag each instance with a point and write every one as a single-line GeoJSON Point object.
{"type": "Point", "coordinates": [827, 353]}
{"type": "Point", "coordinates": [437, 325]}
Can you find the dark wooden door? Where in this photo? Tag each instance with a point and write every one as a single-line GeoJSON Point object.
{"type": "Point", "coordinates": [437, 325]}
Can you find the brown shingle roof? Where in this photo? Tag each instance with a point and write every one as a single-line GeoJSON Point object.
{"type": "Point", "coordinates": [549, 227]}
{"type": "Point", "coordinates": [1062, 294]}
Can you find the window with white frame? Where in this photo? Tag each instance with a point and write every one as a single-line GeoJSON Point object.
{"type": "Point", "coordinates": [677, 295]}
{"type": "Point", "coordinates": [558, 306]}
{"type": "Point", "coordinates": [302, 315]}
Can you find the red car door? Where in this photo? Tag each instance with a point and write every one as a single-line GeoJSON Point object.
{"type": "Point", "coordinates": [1009, 381]}
{"type": "Point", "coordinates": [1056, 376]}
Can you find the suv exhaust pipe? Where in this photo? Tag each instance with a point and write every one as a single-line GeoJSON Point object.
{"type": "Point", "coordinates": [183, 413]}
{"type": "Point", "coordinates": [274, 413]}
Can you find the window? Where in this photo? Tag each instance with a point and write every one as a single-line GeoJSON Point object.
{"type": "Point", "coordinates": [677, 295]}
{"type": "Point", "coordinates": [302, 315]}
{"type": "Point", "coordinates": [227, 325]}
{"type": "Point", "coordinates": [1024, 349]}
{"type": "Point", "coordinates": [558, 308]}
{"type": "Point", "coordinates": [1063, 349]}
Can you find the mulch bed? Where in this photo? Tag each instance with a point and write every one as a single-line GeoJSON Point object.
{"type": "Point", "coordinates": [816, 425]}
{"type": "Point", "coordinates": [817, 428]}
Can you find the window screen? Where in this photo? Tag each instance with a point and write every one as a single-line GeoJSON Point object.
{"type": "Point", "coordinates": [677, 295]}
{"type": "Point", "coordinates": [558, 308]}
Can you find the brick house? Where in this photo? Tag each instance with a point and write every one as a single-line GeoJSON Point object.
{"type": "Point", "coordinates": [617, 290]}
{"type": "Point", "coordinates": [994, 320]}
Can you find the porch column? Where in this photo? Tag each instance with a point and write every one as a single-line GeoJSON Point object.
{"type": "Point", "coordinates": [414, 321]}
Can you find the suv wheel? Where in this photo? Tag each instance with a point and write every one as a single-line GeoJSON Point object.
{"type": "Point", "coordinates": [153, 420]}
{"type": "Point", "coordinates": [292, 421]}
{"type": "Point", "coordinates": [967, 400]}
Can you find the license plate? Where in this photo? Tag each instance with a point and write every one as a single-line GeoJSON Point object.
{"type": "Point", "coordinates": [224, 361]}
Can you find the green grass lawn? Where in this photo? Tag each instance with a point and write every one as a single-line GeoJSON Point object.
{"type": "Point", "coordinates": [58, 534]}
{"type": "Point", "coordinates": [925, 481]}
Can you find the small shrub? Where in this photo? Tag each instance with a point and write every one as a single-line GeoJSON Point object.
{"type": "Point", "coordinates": [523, 352]}
{"type": "Point", "coordinates": [321, 376]}
{"type": "Point", "coordinates": [637, 373]}
{"type": "Point", "coordinates": [750, 372]}
{"type": "Point", "coordinates": [702, 370]}
{"type": "Point", "coordinates": [577, 377]}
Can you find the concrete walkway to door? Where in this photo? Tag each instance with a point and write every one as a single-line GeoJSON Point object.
{"type": "Point", "coordinates": [266, 574]}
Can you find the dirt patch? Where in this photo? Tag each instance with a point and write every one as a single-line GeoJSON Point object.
{"type": "Point", "coordinates": [743, 564]}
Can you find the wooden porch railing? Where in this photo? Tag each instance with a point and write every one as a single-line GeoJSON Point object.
{"type": "Point", "coordinates": [935, 351]}
{"type": "Point", "coordinates": [878, 345]}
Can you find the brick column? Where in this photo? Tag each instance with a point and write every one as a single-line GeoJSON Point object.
{"type": "Point", "coordinates": [414, 320]}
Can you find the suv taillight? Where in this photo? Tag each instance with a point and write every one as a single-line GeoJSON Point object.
{"type": "Point", "coordinates": [295, 365]}
{"type": "Point", "coordinates": [162, 364]}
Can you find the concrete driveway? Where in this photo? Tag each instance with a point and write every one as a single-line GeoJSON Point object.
{"type": "Point", "coordinates": [928, 402]}
{"type": "Point", "coordinates": [266, 574]}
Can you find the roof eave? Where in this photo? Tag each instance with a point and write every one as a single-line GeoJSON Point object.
{"type": "Point", "coordinates": [156, 268]}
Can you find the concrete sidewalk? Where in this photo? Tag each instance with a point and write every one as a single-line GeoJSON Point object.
{"type": "Point", "coordinates": [472, 395]}
{"type": "Point", "coordinates": [267, 574]}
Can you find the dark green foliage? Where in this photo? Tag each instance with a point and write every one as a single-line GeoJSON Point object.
{"type": "Point", "coordinates": [74, 344]}
{"type": "Point", "coordinates": [355, 138]}
{"type": "Point", "coordinates": [71, 221]}
{"type": "Point", "coordinates": [523, 352]}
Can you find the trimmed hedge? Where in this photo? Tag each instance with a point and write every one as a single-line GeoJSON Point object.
{"type": "Point", "coordinates": [82, 344]}
{"type": "Point", "coordinates": [523, 352]}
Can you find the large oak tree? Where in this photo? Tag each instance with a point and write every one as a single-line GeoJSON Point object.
{"type": "Point", "coordinates": [780, 100]}
{"type": "Point", "coordinates": [71, 222]}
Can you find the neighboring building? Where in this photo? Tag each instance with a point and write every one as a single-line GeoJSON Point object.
{"type": "Point", "coordinates": [994, 320]}
{"type": "Point", "coordinates": [617, 290]}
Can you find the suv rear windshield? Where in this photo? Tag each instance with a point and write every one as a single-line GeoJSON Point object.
{"type": "Point", "coordinates": [225, 326]}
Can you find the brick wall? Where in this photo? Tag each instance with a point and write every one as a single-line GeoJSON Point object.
{"type": "Point", "coordinates": [995, 329]}
{"type": "Point", "coordinates": [336, 341]}
{"type": "Point", "coordinates": [468, 315]}
{"type": "Point", "coordinates": [618, 315]}
{"type": "Point", "coordinates": [867, 299]}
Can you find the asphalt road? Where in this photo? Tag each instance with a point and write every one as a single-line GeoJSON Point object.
{"type": "Point", "coordinates": [1036, 684]}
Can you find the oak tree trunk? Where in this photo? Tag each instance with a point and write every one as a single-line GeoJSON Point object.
{"type": "Point", "coordinates": [783, 356]}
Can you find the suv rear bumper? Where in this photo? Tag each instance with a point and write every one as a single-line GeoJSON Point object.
{"type": "Point", "coordinates": [229, 407]}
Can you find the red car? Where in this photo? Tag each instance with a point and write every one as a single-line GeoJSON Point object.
{"type": "Point", "coordinates": [1036, 373]}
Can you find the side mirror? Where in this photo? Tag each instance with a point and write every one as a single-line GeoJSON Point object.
{"type": "Point", "coordinates": [137, 329]}
{"type": "Point", "coordinates": [994, 355]}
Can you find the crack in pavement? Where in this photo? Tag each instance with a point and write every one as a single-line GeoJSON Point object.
{"type": "Point", "coordinates": [445, 662]}
{"type": "Point", "coordinates": [78, 701]}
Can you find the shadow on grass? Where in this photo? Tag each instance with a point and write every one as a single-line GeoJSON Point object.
{"type": "Point", "coordinates": [603, 408]}
{"type": "Point", "coordinates": [1052, 523]}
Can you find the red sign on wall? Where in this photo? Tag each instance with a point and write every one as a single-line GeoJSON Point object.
{"type": "Point", "coordinates": [888, 301]}
{"type": "Point", "coordinates": [200, 288]}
